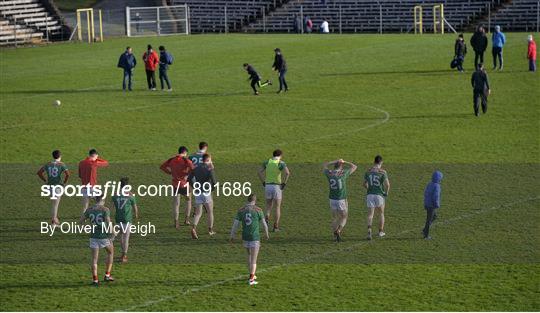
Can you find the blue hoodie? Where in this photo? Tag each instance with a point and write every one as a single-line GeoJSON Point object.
{"type": "Point", "coordinates": [498, 39]}
{"type": "Point", "coordinates": [432, 194]}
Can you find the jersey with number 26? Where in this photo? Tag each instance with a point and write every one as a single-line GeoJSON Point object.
{"type": "Point", "coordinates": [375, 180]}
{"type": "Point", "coordinates": [98, 218]}
{"type": "Point", "coordinates": [250, 216]}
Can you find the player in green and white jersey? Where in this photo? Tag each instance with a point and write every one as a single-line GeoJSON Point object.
{"type": "Point", "coordinates": [197, 158]}
{"type": "Point", "coordinates": [250, 217]}
{"type": "Point", "coordinates": [270, 175]}
{"type": "Point", "coordinates": [377, 184]}
{"type": "Point", "coordinates": [51, 174]}
{"type": "Point", "coordinates": [337, 181]}
{"type": "Point", "coordinates": [125, 205]}
{"type": "Point", "coordinates": [100, 218]}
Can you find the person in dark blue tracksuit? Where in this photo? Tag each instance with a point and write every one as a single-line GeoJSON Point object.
{"type": "Point", "coordinates": [432, 201]}
{"type": "Point", "coordinates": [165, 59]}
{"type": "Point", "coordinates": [127, 61]}
{"type": "Point", "coordinates": [280, 65]}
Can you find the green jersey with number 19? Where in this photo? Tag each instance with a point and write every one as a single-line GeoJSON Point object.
{"type": "Point", "coordinates": [337, 180]}
{"type": "Point", "coordinates": [250, 216]}
{"type": "Point", "coordinates": [375, 180]}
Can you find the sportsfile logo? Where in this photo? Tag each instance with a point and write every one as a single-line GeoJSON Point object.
{"type": "Point", "coordinates": [113, 188]}
{"type": "Point", "coordinates": [105, 228]}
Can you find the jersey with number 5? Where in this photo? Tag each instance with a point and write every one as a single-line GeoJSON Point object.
{"type": "Point", "coordinates": [337, 181]}
{"type": "Point", "coordinates": [98, 217]}
{"type": "Point", "coordinates": [375, 181]}
{"type": "Point", "coordinates": [250, 216]}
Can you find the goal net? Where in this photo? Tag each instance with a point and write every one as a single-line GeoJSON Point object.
{"type": "Point", "coordinates": [157, 21]}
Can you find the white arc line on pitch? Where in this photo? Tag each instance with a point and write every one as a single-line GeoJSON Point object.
{"type": "Point", "coordinates": [301, 260]}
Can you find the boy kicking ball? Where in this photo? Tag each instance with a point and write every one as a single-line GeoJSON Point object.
{"type": "Point", "coordinates": [255, 78]}
{"type": "Point", "coordinates": [250, 216]}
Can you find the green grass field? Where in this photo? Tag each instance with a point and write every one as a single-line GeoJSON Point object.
{"type": "Point", "coordinates": [351, 97]}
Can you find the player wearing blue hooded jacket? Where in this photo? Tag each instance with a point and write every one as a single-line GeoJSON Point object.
{"type": "Point", "coordinates": [432, 201]}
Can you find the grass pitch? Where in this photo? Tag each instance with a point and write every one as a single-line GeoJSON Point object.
{"type": "Point", "coordinates": [352, 96]}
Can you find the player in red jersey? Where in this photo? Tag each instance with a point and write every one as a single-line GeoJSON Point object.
{"type": "Point", "coordinates": [179, 167]}
{"type": "Point", "coordinates": [88, 174]}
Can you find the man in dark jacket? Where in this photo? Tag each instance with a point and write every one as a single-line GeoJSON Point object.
{"type": "Point", "coordinates": [280, 65]}
{"type": "Point", "coordinates": [481, 90]}
{"type": "Point", "coordinates": [255, 78]}
{"type": "Point", "coordinates": [432, 201]}
{"type": "Point", "coordinates": [460, 50]}
{"type": "Point", "coordinates": [165, 59]}
{"type": "Point", "coordinates": [127, 61]}
{"type": "Point", "coordinates": [479, 42]}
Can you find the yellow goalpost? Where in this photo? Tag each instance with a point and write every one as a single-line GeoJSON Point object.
{"type": "Point", "coordinates": [90, 27]}
{"type": "Point", "coordinates": [438, 19]}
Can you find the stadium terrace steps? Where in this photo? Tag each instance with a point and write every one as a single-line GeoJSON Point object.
{"type": "Point", "coordinates": [364, 15]}
{"type": "Point", "coordinates": [517, 15]}
{"type": "Point", "coordinates": [29, 21]}
{"type": "Point", "coordinates": [209, 16]}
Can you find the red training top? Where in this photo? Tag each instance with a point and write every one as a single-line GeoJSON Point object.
{"type": "Point", "coordinates": [151, 60]}
{"type": "Point", "coordinates": [88, 170]}
{"type": "Point", "coordinates": [179, 168]}
{"type": "Point", "coordinates": [531, 54]}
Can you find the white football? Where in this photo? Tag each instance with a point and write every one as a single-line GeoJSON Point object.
{"type": "Point", "coordinates": [57, 102]}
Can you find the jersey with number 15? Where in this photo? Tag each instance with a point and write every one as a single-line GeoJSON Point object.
{"type": "Point", "coordinates": [375, 180]}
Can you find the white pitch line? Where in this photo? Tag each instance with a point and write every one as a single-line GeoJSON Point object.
{"type": "Point", "coordinates": [305, 259]}
{"type": "Point", "coordinates": [385, 119]}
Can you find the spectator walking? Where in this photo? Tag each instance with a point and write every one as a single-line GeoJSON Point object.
{"type": "Point", "coordinates": [127, 61]}
{"type": "Point", "coordinates": [531, 54]}
{"type": "Point", "coordinates": [165, 59]}
{"type": "Point", "coordinates": [137, 20]}
{"type": "Point", "coordinates": [297, 24]}
{"type": "Point", "coordinates": [325, 28]}
{"type": "Point", "coordinates": [479, 43]}
{"type": "Point", "coordinates": [498, 40]}
{"type": "Point", "coordinates": [151, 61]}
{"type": "Point", "coordinates": [481, 89]}
{"type": "Point", "coordinates": [280, 65]}
{"type": "Point", "coordinates": [432, 201]}
{"type": "Point", "coordinates": [460, 50]}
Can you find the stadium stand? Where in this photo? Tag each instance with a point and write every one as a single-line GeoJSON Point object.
{"type": "Point", "coordinates": [518, 15]}
{"type": "Point", "coordinates": [364, 15]}
{"type": "Point", "coordinates": [23, 21]}
{"type": "Point", "coordinates": [209, 16]}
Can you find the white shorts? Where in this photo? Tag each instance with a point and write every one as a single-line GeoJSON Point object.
{"type": "Point", "coordinates": [203, 198]}
{"type": "Point", "coordinates": [272, 191]}
{"type": "Point", "coordinates": [99, 243]}
{"type": "Point", "coordinates": [339, 205]}
{"type": "Point", "coordinates": [374, 201]}
{"type": "Point", "coordinates": [252, 244]}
